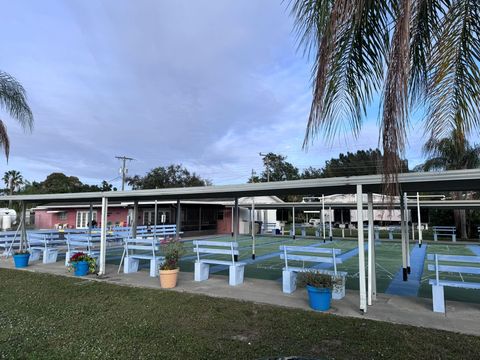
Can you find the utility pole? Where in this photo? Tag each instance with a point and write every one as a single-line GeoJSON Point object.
{"type": "Point", "coordinates": [265, 156]}
{"type": "Point", "coordinates": [124, 169]}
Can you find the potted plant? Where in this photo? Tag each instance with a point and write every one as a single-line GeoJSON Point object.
{"type": "Point", "coordinates": [173, 249]}
{"type": "Point", "coordinates": [82, 264]}
{"type": "Point", "coordinates": [319, 288]}
{"type": "Point", "coordinates": [20, 258]}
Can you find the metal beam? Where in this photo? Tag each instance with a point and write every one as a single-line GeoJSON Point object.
{"type": "Point", "coordinates": [361, 251]}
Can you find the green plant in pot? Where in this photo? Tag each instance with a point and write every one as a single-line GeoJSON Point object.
{"type": "Point", "coordinates": [319, 287]}
{"type": "Point", "coordinates": [82, 264]}
{"type": "Point", "coordinates": [173, 249]}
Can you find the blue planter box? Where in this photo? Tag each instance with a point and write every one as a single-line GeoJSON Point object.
{"type": "Point", "coordinates": [81, 268]}
{"type": "Point", "coordinates": [319, 298]}
{"type": "Point", "coordinates": [21, 260]}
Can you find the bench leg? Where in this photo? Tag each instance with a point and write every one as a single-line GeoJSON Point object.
{"type": "Point", "coordinates": [304, 233]}
{"type": "Point", "coordinates": [35, 255]}
{"type": "Point", "coordinates": [454, 237]}
{"type": "Point", "coordinates": [338, 292]}
{"type": "Point", "coordinates": [67, 258]}
{"type": "Point", "coordinates": [438, 299]}
{"type": "Point", "coordinates": [130, 265]}
{"type": "Point", "coordinates": [235, 275]}
{"type": "Point", "coordinates": [289, 280]}
{"type": "Point", "coordinates": [201, 271]}
{"type": "Point", "coordinates": [154, 267]}
{"type": "Point", "coordinates": [50, 256]}
{"type": "Point", "coordinates": [317, 233]}
{"type": "Point", "coordinates": [435, 236]}
{"type": "Point", "coordinates": [390, 236]}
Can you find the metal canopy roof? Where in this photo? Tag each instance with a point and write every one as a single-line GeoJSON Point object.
{"type": "Point", "coordinates": [458, 180]}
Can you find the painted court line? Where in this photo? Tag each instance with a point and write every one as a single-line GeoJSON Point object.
{"type": "Point", "coordinates": [409, 288]}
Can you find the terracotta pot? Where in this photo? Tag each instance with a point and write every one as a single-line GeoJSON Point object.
{"type": "Point", "coordinates": [168, 278]}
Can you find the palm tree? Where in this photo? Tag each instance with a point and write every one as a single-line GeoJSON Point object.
{"type": "Point", "coordinates": [14, 101]}
{"type": "Point", "coordinates": [453, 153]}
{"type": "Point", "coordinates": [13, 180]}
{"type": "Point", "coordinates": [418, 54]}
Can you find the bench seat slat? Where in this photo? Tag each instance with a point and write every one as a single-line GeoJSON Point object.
{"type": "Point", "coordinates": [456, 269]}
{"type": "Point", "coordinates": [307, 258]}
{"type": "Point", "coordinates": [215, 243]}
{"type": "Point", "coordinates": [221, 262]}
{"type": "Point", "coordinates": [321, 271]}
{"type": "Point", "coordinates": [310, 249]}
{"type": "Point", "coordinates": [457, 284]}
{"type": "Point", "coordinates": [145, 257]}
{"type": "Point", "coordinates": [457, 258]}
{"type": "Point", "coordinates": [217, 251]}
{"type": "Point", "coordinates": [142, 247]}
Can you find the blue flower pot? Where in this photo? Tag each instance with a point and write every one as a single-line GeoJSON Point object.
{"type": "Point", "coordinates": [319, 298]}
{"type": "Point", "coordinates": [81, 268]}
{"type": "Point", "coordinates": [21, 260]}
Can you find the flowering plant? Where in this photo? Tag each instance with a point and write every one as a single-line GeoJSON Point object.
{"type": "Point", "coordinates": [315, 279]}
{"type": "Point", "coordinates": [21, 252]}
{"type": "Point", "coordinates": [80, 256]}
{"type": "Point", "coordinates": [173, 249]}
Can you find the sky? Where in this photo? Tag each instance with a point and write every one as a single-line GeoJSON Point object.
{"type": "Point", "coordinates": [207, 83]}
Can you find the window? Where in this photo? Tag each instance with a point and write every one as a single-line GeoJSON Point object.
{"type": "Point", "coordinates": [220, 215]}
{"type": "Point", "coordinates": [62, 215]}
{"type": "Point", "coordinates": [149, 216]}
{"type": "Point", "coordinates": [82, 219]}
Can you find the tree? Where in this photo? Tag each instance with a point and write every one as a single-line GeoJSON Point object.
{"type": "Point", "coordinates": [167, 177]}
{"type": "Point", "coordinates": [415, 53]}
{"type": "Point", "coordinates": [453, 153]}
{"type": "Point", "coordinates": [13, 180]}
{"type": "Point", "coordinates": [14, 101]}
{"type": "Point", "coordinates": [277, 168]}
{"type": "Point", "coordinates": [59, 183]}
{"type": "Point", "coordinates": [363, 162]}
{"type": "Point", "coordinates": [105, 186]}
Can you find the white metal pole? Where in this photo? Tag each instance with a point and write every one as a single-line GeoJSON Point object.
{"type": "Point", "coordinates": [235, 222]}
{"type": "Point", "coordinates": [343, 224]}
{"type": "Point", "coordinates": [372, 295]}
{"type": "Point", "coordinates": [361, 251]}
{"type": "Point", "coordinates": [293, 223]}
{"type": "Point", "coordinates": [323, 216]}
{"type": "Point", "coordinates": [253, 228]}
{"type": "Point", "coordinates": [330, 232]}
{"type": "Point", "coordinates": [103, 237]}
{"type": "Point", "coordinates": [420, 235]}
{"type": "Point", "coordinates": [155, 220]}
{"type": "Point", "coordinates": [135, 219]}
{"type": "Point", "coordinates": [179, 220]}
{"type": "Point", "coordinates": [407, 235]}
{"type": "Point", "coordinates": [403, 228]}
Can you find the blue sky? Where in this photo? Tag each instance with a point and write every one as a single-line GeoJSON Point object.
{"type": "Point", "coordinates": [205, 83]}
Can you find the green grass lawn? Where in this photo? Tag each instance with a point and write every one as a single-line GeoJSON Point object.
{"type": "Point", "coordinates": [52, 317]}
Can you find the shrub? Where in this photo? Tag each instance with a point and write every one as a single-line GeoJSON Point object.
{"type": "Point", "coordinates": [173, 249]}
{"type": "Point", "coordinates": [81, 256]}
{"type": "Point", "coordinates": [315, 279]}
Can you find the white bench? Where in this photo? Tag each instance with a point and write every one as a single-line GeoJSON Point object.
{"type": "Point", "coordinates": [450, 231]}
{"type": "Point", "coordinates": [304, 254]}
{"type": "Point", "coordinates": [438, 284]}
{"type": "Point", "coordinates": [160, 231]}
{"type": "Point", "coordinates": [45, 245]}
{"type": "Point", "coordinates": [269, 228]}
{"type": "Point", "coordinates": [393, 230]}
{"type": "Point", "coordinates": [142, 249]}
{"type": "Point", "coordinates": [88, 244]}
{"type": "Point", "coordinates": [202, 266]}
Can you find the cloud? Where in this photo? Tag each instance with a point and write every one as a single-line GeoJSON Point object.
{"type": "Point", "coordinates": [206, 83]}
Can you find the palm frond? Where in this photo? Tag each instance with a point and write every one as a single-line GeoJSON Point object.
{"type": "Point", "coordinates": [14, 100]}
{"type": "Point", "coordinates": [351, 41]}
{"type": "Point", "coordinates": [454, 83]}
{"type": "Point", "coordinates": [395, 95]}
{"type": "Point", "coordinates": [4, 140]}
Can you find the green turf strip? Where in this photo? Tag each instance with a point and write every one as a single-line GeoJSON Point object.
{"type": "Point", "coordinates": [49, 317]}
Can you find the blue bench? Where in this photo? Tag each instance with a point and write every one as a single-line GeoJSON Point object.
{"type": "Point", "coordinates": [202, 266]}
{"type": "Point", "coordinates": [393, 230]}
{"type": "Point", "coordinates": [450, 231]}
{"type": "Point", "coordinates": [438, 284]}
{"type": "Point", "coordinates": [45, 245]}
{"type": "Point", "coordinates": [309, 254]}
{"type": "Point", "coordinates": [142, 249]}
{"type": "Point", "coordinates": [269, 228]}
{"type": "Point", "coordinates": [88, 244]}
